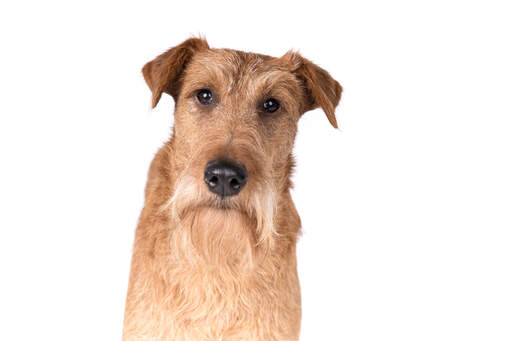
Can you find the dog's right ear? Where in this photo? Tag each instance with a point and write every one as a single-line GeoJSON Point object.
{"type": "Point", "coordinates": [163, 74]}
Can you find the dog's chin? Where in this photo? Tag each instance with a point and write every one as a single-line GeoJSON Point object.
{"type": "Point", "coordinates": [215, 236]}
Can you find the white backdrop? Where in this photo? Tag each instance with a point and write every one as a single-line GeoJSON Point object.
{"type": "Point", "coordinates": [406, 209]}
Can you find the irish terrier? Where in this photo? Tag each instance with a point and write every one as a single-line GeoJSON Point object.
{"type": "Point", "coordinates": [214, 253]}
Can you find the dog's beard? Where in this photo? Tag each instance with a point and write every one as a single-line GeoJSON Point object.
{"type": "Point", "coordinates": [233, 231]}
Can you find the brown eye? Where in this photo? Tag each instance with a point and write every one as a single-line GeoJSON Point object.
{"type": "Point", "coordinates": [204, 96]}
{"type": "Point", "coordinates": [271, 105]}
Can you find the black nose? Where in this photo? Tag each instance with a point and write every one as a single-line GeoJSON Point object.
{"type": "Point", "coordinates": [225, 177]}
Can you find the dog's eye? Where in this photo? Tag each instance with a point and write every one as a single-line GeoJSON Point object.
{"type": "Point", "coordinates": [271, 105]}
{"type": "Point", "coordinates": [204, 96]}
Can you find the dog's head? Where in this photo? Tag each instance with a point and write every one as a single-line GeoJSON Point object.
{"type": "Point", "coordinates": [236, 119]}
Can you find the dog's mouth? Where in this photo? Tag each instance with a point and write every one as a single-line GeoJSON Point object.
{"type": "Point", "coordinates": [224, 203]}
{"type": "Point", "coordinates": [191, 197]}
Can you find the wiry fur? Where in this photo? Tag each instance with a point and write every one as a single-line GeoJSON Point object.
{"type": "Point", "coordinates": [206, 268]}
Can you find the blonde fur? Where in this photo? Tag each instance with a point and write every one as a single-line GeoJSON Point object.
{"type": "Point", "coordinates": [222, 269]}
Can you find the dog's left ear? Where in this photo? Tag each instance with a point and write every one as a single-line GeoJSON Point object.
{"type": "Point", "coordinates": [320, 89]}
{"type": "Point", "coordinates": [163, 74]}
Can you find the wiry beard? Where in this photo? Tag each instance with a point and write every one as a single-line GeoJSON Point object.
{"type": "Point", "coordinates": [228, 232]}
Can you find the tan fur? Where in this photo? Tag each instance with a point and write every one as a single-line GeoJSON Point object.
{"type": "Point", "coordinates": [205, 268]}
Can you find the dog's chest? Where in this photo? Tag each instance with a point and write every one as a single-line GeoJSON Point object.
{"type": "Point", "coordinates": [221, 304]}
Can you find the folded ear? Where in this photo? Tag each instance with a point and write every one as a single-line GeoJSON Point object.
{"type": "Point", "coordinates": [163, 74]}
{"type": "Point", "coordinates": [321, 90]}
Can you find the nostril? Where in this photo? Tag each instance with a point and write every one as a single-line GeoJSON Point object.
{"type": "Point", "coordinates": [212, 180]}
{"type": "Point", "coordinates": [234, 183]}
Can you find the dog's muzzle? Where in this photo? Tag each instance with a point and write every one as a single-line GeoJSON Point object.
{"type": "Point", "coordinates": [225, 177]}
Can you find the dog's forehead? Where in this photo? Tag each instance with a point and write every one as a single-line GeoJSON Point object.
{"type": "Point", "coordinates": [231, 66]}
{"type": "Point", "coordinates": [234, 61]}
{"type": "Point", "coordinates": [232, 71]}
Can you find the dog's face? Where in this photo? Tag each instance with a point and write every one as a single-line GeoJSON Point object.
{"type": "Point", "coordinates": [237, 116]}
{"type": "Point", "coordinates": [235, 123]}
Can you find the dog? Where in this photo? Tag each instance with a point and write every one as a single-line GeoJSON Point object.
{"type": "Point", "coordinates": [214, 256]}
